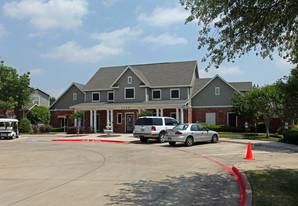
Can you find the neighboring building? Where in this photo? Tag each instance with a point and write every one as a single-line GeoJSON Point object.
{"type": "Point", "coordinates": [39, 98]}
{"type": "Point", "coordinates": [116, 94]}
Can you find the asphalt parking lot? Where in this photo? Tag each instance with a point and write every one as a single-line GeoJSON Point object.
{"type": "Point", "coordinates": [38, 171]}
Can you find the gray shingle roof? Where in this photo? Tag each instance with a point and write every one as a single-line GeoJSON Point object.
{"type": "Point", "coordinates": [80, 86]}
{"type": "Point", "coordinates": [242, 86]}
{"type": "Point", "coordinates": [154, 75]}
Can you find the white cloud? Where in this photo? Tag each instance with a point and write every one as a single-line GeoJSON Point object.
{"type": "Point", "coordinates": [36, 72]}
{"type": "Point", "coordinates": [164, 16]}
{"type": "Point", "coordinates": [3, 31]}
{"type": "Point", "coordinates": [283, 64]}
{"type": "Point", "coordinates": [111, 44]}
{"type": "Point", "coordinates": [166, 39]}
{"type": "Point", "coordinates": [222, 71]}
{"type": "Point", "coordinates": [48, 14]}
{"type": "Point", "coordinates": [108, 3]}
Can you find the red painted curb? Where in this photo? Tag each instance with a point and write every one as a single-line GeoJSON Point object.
{"type": "Point", "coordinates": [86, 140]}
{"type": "Point", "coordinates": [242, 186]}
{"type": "Point", "coordinates": [238, 176]}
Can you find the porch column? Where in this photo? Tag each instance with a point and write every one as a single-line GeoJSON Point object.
{"type": "Point", "coordinates": [177, 115]}
{"type": "Point", "coordinates": [182, 115]}
{"type": "Point", "coordinates": [157, 112]}
{"type": "Point", "coordinates": [112, 121]}
{"type": "Point", "coordinates": [108, 117]}
{"type": "Point", "coordinates": [91, 119]}
{"type": "Point", "coordinates": [95, 123]}
{"type": "Point", "coordinates": [161, 112]}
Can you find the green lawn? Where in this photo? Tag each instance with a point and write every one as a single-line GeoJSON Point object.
{"type": "Point", "coordinates": [274, 187]}
{"type": "Point", "coordinates": [253, 136]}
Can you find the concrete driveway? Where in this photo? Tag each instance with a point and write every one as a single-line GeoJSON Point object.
{"type": "Point", "coordinates": [34, 170]}
{"type": "Point", "coordinates": [95, 173]}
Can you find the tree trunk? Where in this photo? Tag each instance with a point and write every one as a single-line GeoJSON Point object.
{"type": "Point", "coordinates": [267, 122]}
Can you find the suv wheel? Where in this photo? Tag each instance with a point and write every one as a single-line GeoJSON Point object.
{"type": "Point", "coordinates": [161, 137]}
{"type": "Point", "coordinates": [143, 139]}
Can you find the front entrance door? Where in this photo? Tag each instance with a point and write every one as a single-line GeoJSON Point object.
{"type": "Point", "coordinates": [129, 121]}
{"type": "Point", "coordinates": [232, 119]}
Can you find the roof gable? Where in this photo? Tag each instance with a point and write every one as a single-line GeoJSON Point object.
{"type": "Point", "coordinates": [78, 85]}
{"type": "Point", "coordinates": [139, 74]}
{"type": "Point", "coordinates": [203, 84]}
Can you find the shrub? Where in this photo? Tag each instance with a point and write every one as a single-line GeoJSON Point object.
{"type": "Point", "coordinates": [223, 128]}
{"type": "Point", "coordinates": [45, 128]}
{"type": "Point", "coordinates": [291, 136]}
{"type": "Point", "coordinates": [35, 128]}
{"type": "Point", "coordinates": [145, 113]}
{"type": "Point", "coordinates": [25, 126]}
{"type": "Point", "coordinates": [39, 114]}
{"type": "Point", "coordinates": [58, 129]}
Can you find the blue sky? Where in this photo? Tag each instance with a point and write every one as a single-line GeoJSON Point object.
{"type": "Point", "coordinates": [65, 41]}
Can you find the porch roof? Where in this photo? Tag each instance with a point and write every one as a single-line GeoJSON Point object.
{"type": "Point", "coordinates": [133, 105]}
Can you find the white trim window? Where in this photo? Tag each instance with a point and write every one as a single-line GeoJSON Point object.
{"type": "Point", "coordinates": [119, 118]}
{"type": "Point", "coordinates": [95, 96]}
{"type": "Point", "coordinates": [74, 96]}
{"type": "Point", "coordinates": [175, 94]}
{"type": "Point", "coordinates": [111, 96]}
{"type": "Point", "coordinates": [156, 94]}
{"type": "Point", "coordinates": [129, 93]}
{"type": "Point", "coordinates": [217, 91]}
{"type": "Point", "coordinates": [36, 100]}
{"type": "Point", "coordinates": [129, 80]}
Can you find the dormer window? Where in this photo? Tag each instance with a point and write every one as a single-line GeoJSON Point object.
{"type": "Point", "coordinates": [129, 80]}
{"type": "Point", "coordinates": [95, 97]}
{"type": "Point", "coordinates": [36, 100]}
{"type": "Point", "coordinates": [110, 96]}
{"type": "Point", "coordinates": [156, 94]}
{"type": "Point", "coordinates": [217, 91]}
{"type": "Point", "coordinates": [175, 93]}
{"type": "Point", "coordinates": [74, 96]}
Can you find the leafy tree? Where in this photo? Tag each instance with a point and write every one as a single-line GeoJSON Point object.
{"type": "Point", "coordinates": [52, 100]}
{"type": "Point", "coordinates": [243, 106]}
{"type": "Point", "coordinates": [288, 88]}
{"type": "Point", "coordinates": [39, 114]}
{"type": "Point", "coordinates": [78, 115]}
{"type": "Point", "coordinates": [233, 28]}
{"type": "Point", "coordinates": [145, 113]}
{"type": "Point", "coordinates": [15, 89]}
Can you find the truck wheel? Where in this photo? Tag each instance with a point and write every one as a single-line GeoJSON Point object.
{"type": "Point", "coordinates": [161, 137]}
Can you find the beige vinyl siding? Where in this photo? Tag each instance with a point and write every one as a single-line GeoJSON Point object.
{"type": "Point", "coordinates": [207, 96]}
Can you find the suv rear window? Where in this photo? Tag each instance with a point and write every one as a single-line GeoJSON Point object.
{"type": "Point", "coordinates": [149, 121]}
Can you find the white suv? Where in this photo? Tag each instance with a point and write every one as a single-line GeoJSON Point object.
{"type": "Point", "coordinates": [153, 127]}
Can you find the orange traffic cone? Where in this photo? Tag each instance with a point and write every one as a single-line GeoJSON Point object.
{"type": "Point", "coordinates": [249, 153]}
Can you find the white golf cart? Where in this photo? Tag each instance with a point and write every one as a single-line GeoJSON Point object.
{"type": "Point", "coordinates": [9, 128]}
